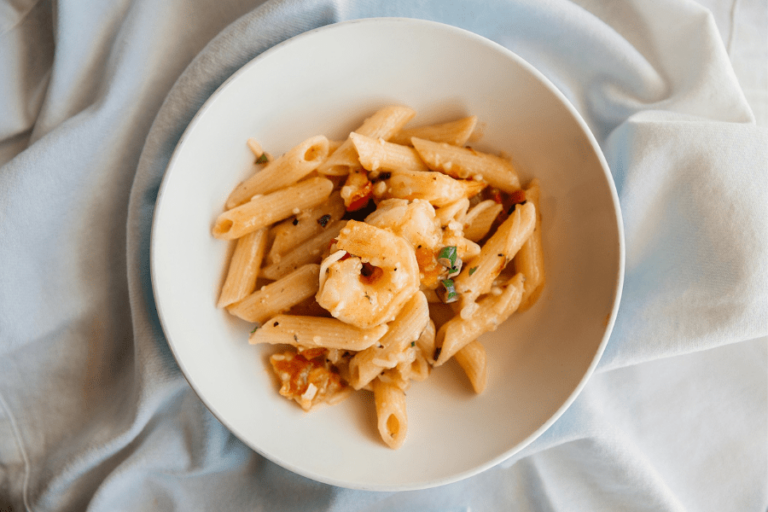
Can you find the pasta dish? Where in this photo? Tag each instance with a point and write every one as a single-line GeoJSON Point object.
{"type": "Point", "coordinates": [374, 260]}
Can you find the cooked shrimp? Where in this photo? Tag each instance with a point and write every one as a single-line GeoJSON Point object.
{"type": "Point", "coordinates": [415, 221]}
{"type": "Point", "coordinates": [371, 298]}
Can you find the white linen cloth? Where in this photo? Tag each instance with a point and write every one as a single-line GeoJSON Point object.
{"type": "Point", "coordinates": [94, 413]}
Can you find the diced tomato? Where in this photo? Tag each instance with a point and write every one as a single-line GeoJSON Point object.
{"type": "Point", "coordinates": [360, 199]}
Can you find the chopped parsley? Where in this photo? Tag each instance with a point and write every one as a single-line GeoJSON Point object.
{"type": "Point", "coordinates": [262, 159]}
{"type": "Point", "coordinates": [447, 256]}
{"type": "Point", "coordinates": [255, 328]}
{"type": "Point", "coordinates": [472, 270]}
{"type": "Point", "coordinates": [447, 292]}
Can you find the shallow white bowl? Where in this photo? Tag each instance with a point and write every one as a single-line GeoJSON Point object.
{"type": "Point", "coordinates": [327, 81]}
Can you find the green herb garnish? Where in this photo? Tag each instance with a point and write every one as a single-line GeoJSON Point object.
{"type": "Point", "coordinates": [255, 328]}
{"type": "Point", "coordinates": [448, 291]}
{"type": "Point", "coordinates": [262, 159]}
{"type": "Point", "coordinates": [472, 270]}
{"type": "Point", "coordinates": [456, 269]}
{"type": "Point", "coordinates": [447, 256]}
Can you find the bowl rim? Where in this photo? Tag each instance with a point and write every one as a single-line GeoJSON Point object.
{"type": "Point", "coordinates": [618, 286]}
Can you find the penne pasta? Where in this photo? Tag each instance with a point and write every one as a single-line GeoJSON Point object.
{"type": "Point", "coordinates": [479, 220]}
{"type": "Point", "coordinates": [530, 259]}
{"type": "Point", "coordinates": [391, 413]}
{"type": "Point", "coordinates": [465, 163]}
{"type": "Point", "coordinates": [261, 211]}
{"type": "Point", "coordinates": [379, 155]}
{"type": "Point", "coordinates": [472, 359]}
{"type": "Point", "coordinates": [405, 329]}
{"type": "Point", "coordinates": [312, 332]}
{"type": "Point", "coordinates": [244, 267]}
{"type": "Point", "coordinates": [438, 189]}
{"type": "Point", "coordinates": [453, 212]}
{"type": "Point", "coordinates": [278, 297]}
{"type": "Point", "coordinates": [491, 312]}
{"type": "Point", "coordinates": [455, 133]}
{"type": "Point", "coordinates": [286, 170]}
{"type": "Point", "coordinates": [381, 125]}
{"type": "Point", "coordinates": [291, 232]}
{"type": "Point", "coordinates": [309, 251]}
{"type": "Point", "coordinates": [477, 276]}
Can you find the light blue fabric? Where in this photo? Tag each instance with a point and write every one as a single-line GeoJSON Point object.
{"type": "Point", "coordinates": [94, 412]}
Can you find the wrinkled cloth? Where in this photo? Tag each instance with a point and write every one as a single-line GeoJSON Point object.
{"type": "Point", "coordinates": [96, 415]}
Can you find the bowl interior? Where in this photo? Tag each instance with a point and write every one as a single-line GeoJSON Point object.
{"type": "Point", "coordinates": [326, 82]}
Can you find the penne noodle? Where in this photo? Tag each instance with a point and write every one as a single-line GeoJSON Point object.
{"type": "Point", "coordinates": [477, 276]}
{"type": "Point", "coordinates": [465, 163]}
{"type": "Point", "coordinates": [424, 348]}
{"type": "Point", "coordinates": [472, 360]}
{"type": "Point", "coordinates": [244, 267]}
{"type": "Point", "coordinates": [312, 332]}
{"type": "Point", "coordinates": [453, 212]}
{"type": "Point", "coordinates": [455, 133]}
{"type": "Point", "coordinates": [419, 369]}
{"type": "Point", "coordinates": [438, 189]}
{"type": "Point", "coordinates": [333, 145]}
{"type": "Point", "coordinates": [490, 313]}
{"type": "Point", "coordinates": [479, 220]}
{"type": "Point", "coordinates": [381, 125]}
{"type": "Point", "coordinates": [405, 329]}
{"type": "Point", "coordinates": [378, 155]}
{"type": "Point", "coordinates": [390, 413]}
{"type": "Point", "coordinates": [530, 258]}
{"type": "Point", "coordinates": [261, 211]}
{"type": "Point", "coordinates": [396, 376]}
{"type": "Point", "coordinates": [286, 170]}
{"type": "Point", "coordinates": [309, 251]}
{"type": "Point", "coordinates": [291, 232]}
{"type": "Point", "coordinates": [280, 296]}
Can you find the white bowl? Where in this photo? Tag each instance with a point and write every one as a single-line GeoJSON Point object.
{"type": "Point", "coordinates": [326, 82]}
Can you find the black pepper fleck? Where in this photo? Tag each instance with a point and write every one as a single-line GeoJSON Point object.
{"type": "Point", "coordinates": [323, 221]}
